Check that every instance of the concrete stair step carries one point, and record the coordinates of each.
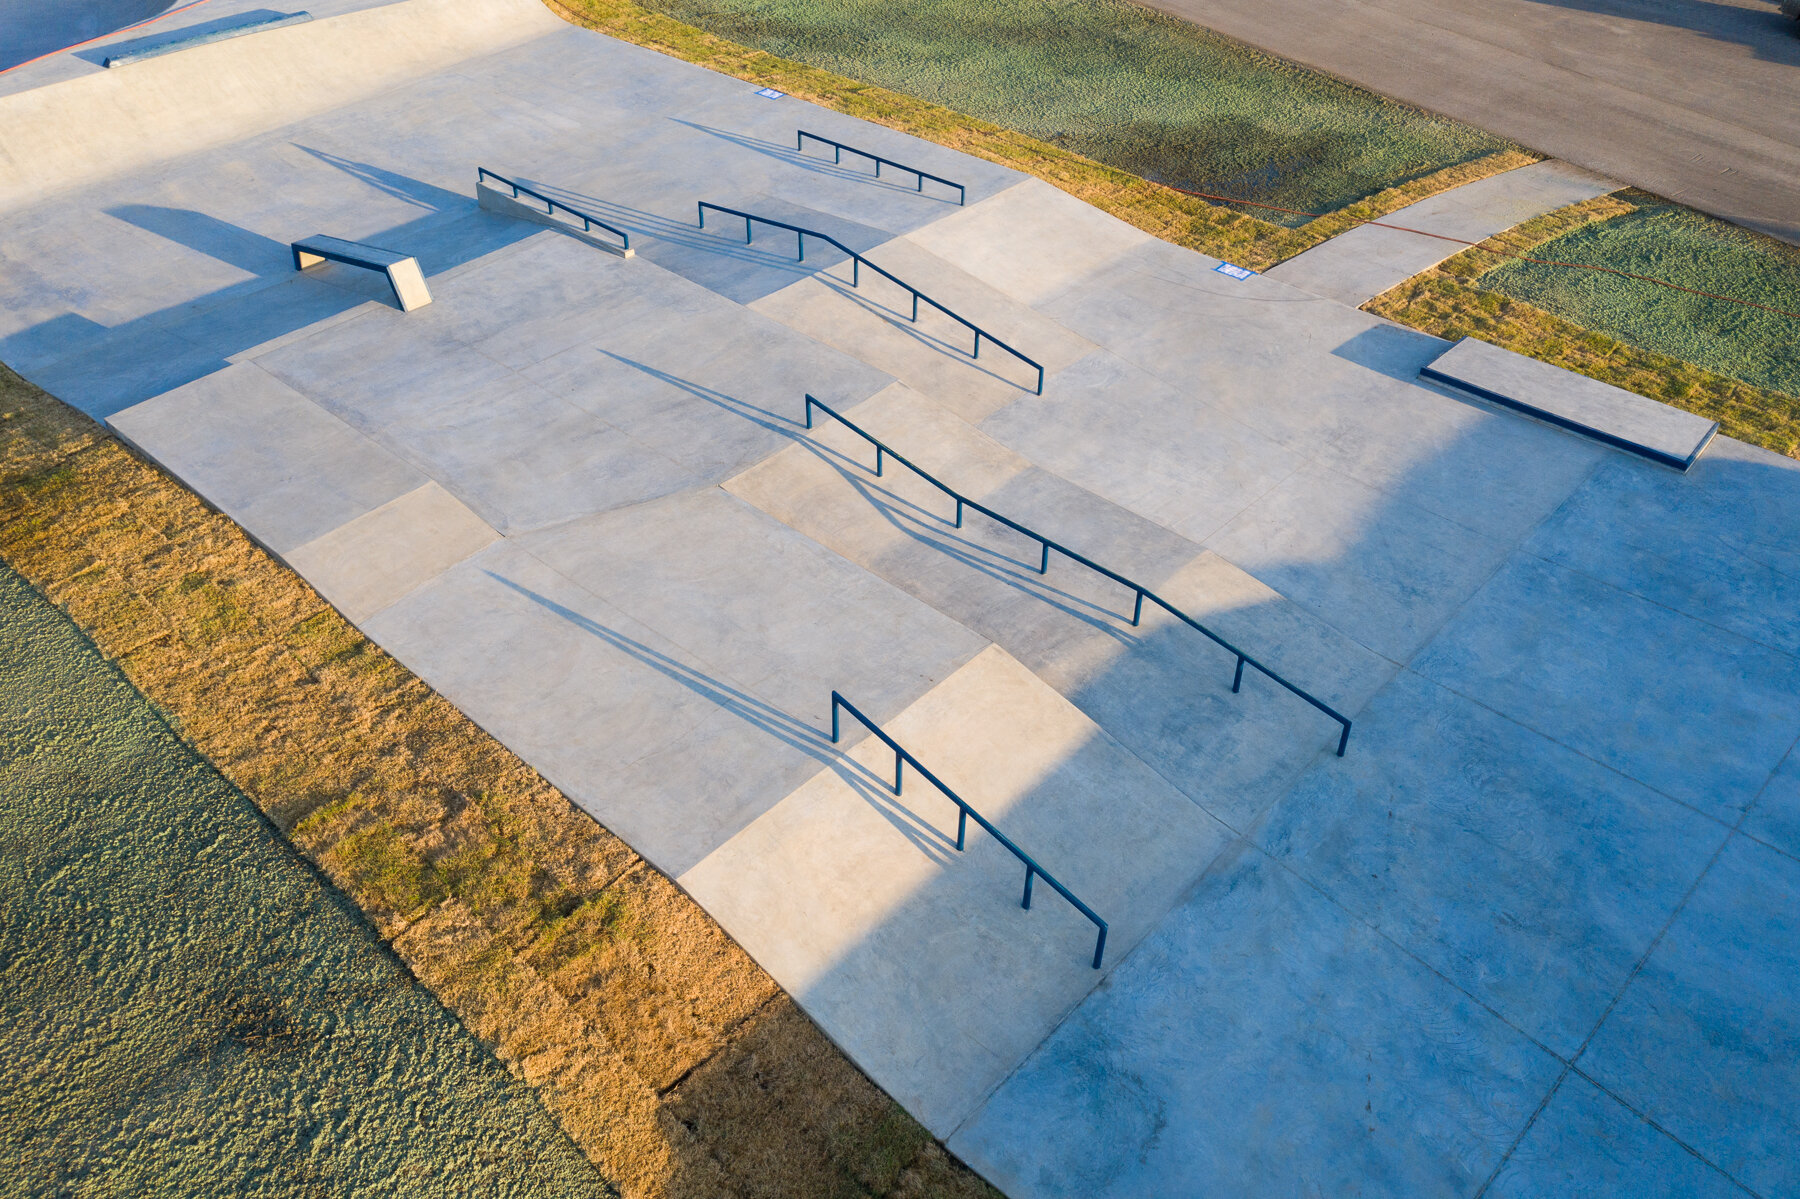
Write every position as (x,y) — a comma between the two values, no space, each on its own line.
(1161,688)
(917,959)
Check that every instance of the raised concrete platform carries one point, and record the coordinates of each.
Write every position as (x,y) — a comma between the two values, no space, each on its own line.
(1355,267)
(1574,402)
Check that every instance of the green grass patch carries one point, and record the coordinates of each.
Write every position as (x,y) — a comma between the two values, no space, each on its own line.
(1668,242)
(1134,89)
(188,1009)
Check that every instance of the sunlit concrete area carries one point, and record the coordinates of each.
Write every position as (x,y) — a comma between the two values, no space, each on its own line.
(1533,934)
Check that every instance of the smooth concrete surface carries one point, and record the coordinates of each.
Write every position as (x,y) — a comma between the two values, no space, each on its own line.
(1608,414)
(918,959)
(366,564)
(1679,97)
(1356,266)
(577,496)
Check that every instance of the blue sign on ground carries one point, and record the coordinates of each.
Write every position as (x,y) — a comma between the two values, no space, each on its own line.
(769,93)
(1236,272)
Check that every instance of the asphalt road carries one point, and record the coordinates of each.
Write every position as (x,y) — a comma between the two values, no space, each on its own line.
(1696,100)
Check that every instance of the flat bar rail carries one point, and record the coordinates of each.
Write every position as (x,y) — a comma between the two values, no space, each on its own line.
(882,451)
(838,148)
(858,263)
(587,222)
(1032,869)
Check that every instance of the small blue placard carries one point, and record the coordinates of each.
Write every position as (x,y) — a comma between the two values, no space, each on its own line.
(769,93)
(1236,272)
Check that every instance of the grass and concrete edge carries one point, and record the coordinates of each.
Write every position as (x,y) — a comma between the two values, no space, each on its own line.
(667,1055)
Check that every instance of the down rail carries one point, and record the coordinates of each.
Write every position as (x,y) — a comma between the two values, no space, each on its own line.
(1142,592)
(858,262)
(1032,869)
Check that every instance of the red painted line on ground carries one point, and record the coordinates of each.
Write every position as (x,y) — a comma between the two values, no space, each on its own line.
(115,33)
(1578,266)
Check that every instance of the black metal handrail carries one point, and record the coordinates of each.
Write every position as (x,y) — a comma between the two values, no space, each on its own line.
(1032,869)
(1143,593)
(858,262)
(838,148)
(587,222)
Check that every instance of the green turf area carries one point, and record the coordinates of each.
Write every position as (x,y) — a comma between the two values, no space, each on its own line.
(1135,89)
(1666,241)
(186,1008)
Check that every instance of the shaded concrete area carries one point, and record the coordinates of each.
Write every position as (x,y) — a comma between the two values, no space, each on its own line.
(32,28)
(1493,944)
(1355,267)
(1673,96)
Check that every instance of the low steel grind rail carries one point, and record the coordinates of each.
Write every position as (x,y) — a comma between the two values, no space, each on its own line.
(1032,869)
(884,451)
(838,150)
(858,262)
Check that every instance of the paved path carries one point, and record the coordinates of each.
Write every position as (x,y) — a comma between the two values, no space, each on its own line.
(1359,265)
(1556,870)
(1680,97)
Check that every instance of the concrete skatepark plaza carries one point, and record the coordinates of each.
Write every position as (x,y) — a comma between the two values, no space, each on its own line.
(1533,934)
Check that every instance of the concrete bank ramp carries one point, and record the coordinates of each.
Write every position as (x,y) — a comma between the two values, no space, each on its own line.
(113,122)
(918,960)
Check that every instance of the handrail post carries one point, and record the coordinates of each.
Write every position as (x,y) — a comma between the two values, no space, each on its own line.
(746,230)
(802,240)
(1344,739)
(835,699)
(899,762)
(959,514)
(1029,872)
(915,314)
(1137,609)
(1099,946)
(962,826)
(878,462)
(1237,680)
(1044,563)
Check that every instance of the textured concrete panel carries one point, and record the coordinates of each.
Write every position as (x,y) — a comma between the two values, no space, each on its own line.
(1261,1042)
(1587,1143)
(1706,1039)
(1469,841)
(917,959)
(368,563)
(270,458)
(1606,674)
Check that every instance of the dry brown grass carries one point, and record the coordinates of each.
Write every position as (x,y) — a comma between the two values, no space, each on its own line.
(1162,211)
(677,1065)
(1445,301)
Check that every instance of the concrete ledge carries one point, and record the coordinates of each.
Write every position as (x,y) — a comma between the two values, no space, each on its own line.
(1575,402)
(402,270)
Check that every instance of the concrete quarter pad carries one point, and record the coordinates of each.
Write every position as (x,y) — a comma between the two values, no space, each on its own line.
(1030,241)
(1261,1042)
(1706,1039)
(368,563)
(648,737)
(768,608)
(1586,1143)
(268,457)
(917,959)
(1575,402)
(1775,817)
(1528,875)
(1356,266)
(1720,544)
(1601,671)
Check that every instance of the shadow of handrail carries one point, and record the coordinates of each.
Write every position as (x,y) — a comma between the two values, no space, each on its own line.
(1142,593)
(964,811)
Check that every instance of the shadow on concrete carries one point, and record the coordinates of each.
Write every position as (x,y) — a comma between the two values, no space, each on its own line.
(1768,33)
(765,718)
(33,28)
(392,183)
(812,162)
(99,54)
(234,244)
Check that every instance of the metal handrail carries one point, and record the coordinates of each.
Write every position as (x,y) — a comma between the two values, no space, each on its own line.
(1032,869)
(587,222)
(1143,593)
(838,148)
(858,262)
